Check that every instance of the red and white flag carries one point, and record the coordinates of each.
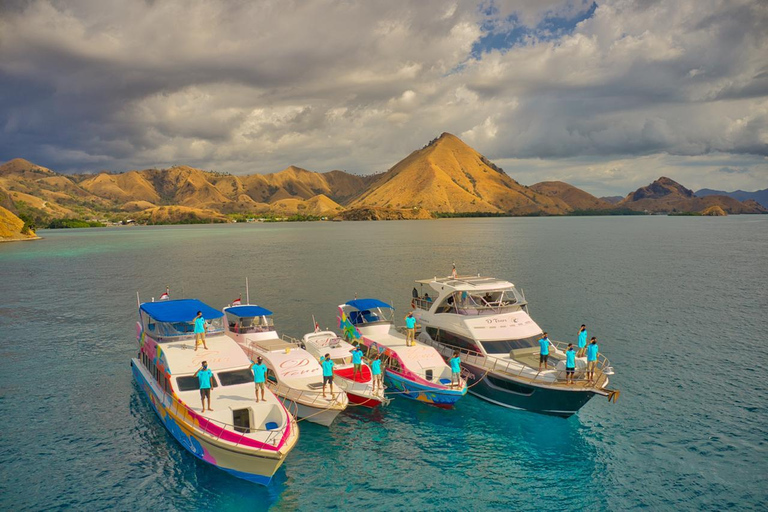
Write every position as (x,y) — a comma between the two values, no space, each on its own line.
(237,301)
(166,295)
(317,325)
(453,272)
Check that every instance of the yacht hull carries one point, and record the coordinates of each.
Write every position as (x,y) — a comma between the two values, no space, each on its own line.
(439,397)
(246,466)
(495,388)
(317,415)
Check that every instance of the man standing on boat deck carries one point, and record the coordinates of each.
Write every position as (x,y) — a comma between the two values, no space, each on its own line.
(544,352)
(376,372)
(204,377)
(410,324)
(570,363)
(357,360)
(327,365)
(455,363)
(259,377)
(582,341)
(200,330)
(592,351)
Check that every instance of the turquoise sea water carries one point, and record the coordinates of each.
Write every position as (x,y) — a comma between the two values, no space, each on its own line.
(679,305)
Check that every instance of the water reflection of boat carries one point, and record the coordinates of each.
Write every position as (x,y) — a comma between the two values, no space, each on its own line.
(487,321)
(246,439)
(359,387)
(417,371)
(293,373)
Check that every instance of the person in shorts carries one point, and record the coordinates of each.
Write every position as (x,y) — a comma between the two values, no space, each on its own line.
(259,377)
(327,365)
(376,372)
(455,363)
(200,330)
(410,333)
(204,378)
(570,364)
(592,351)
(357,361)
(544,351)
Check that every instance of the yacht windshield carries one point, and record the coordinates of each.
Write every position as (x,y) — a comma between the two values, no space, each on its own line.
(506,346)
(489,302)
(160,330)
(369,316)
(246,324)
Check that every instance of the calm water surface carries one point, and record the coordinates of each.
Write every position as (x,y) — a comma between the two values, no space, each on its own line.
(679,306)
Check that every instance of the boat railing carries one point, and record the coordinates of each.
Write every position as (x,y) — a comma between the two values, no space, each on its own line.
(517,368)
(487,308)
(180,409)
(308,398)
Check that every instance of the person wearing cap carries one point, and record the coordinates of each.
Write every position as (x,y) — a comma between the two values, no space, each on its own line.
(259,377)
(570,364)
(200,330)
(327,365)
(455,363)
(410,324)
(204,378)
(376,372)
(544,351)
(592,351)
(357,360)
(582,341)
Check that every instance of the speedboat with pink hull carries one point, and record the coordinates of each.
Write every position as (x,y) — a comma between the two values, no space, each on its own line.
(245,438)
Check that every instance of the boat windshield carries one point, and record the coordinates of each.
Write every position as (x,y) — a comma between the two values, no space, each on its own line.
(246,324)
(506,346)
(489,302)
(159,330)
(371,316)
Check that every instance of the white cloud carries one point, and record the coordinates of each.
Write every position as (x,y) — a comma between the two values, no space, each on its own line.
(256,86)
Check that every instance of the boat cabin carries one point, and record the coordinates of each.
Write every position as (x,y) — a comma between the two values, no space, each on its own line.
(249,319)
(365,312)
(468,296)
(174,320)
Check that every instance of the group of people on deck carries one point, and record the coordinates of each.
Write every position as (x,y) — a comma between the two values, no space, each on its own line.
(590,350)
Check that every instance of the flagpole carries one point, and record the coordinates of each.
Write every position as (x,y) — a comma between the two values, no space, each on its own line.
(247,292)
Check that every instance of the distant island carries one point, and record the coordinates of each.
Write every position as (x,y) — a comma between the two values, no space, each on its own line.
(446,178)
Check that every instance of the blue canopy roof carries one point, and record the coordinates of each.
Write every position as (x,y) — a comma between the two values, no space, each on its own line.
(363,304)
(184,310)
(244,311)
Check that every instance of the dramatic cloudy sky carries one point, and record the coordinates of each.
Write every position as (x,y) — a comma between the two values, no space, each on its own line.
(607,96)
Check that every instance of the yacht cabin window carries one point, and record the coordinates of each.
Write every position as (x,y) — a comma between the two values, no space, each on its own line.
(246,324)
(160,330)
(192,383)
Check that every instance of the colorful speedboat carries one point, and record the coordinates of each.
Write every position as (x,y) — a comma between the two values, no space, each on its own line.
(417,372)
(486,320)
(247,439)
(293,374)
(358,386)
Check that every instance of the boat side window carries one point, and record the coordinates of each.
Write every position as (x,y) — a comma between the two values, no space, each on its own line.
(448,305)
(234,377)
(454,340)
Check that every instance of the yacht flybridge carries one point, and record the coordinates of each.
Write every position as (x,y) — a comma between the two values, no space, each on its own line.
(293,373)
(247,439)
(486,320)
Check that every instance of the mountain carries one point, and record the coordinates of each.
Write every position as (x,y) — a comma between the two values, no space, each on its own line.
(572,198)
(667,196)
(13,228)
(612,199)
(449,176)
(761,196)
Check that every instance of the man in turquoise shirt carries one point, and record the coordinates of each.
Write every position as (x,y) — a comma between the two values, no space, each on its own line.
(582,341)
(592,351)
(204,378)
(327,365)
(544,352)
(570,364)
(376,372)
(455,363)
(357,361)
(410,324)
(259,377)
(200,330)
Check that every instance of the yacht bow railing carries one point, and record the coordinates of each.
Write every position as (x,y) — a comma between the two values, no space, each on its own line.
(517,368)
(180,409)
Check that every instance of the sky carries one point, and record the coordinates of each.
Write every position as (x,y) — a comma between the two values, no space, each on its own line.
(607,96)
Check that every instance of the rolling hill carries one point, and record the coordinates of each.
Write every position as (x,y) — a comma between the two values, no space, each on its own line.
(760,196)
(572,198)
